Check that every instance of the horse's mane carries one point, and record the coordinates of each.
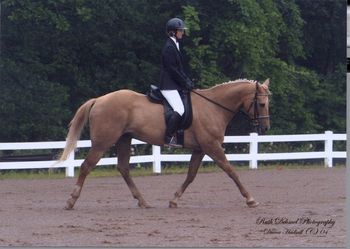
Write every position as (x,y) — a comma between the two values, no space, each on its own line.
(235,82)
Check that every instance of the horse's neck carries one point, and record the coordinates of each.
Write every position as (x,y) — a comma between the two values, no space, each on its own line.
(230,95)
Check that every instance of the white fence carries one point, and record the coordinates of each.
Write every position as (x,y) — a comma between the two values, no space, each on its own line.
(253,156)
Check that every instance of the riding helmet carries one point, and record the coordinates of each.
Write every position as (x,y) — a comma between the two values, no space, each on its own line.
(174,24)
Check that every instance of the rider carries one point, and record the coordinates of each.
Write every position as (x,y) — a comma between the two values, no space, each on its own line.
(173,77)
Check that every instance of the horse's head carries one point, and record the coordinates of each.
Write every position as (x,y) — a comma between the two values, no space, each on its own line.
(257,108)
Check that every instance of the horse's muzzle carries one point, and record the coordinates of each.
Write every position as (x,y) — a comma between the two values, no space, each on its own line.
(262,130)
(261,127)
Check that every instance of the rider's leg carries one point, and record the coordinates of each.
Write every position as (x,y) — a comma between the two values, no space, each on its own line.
(173,98)
(171,128)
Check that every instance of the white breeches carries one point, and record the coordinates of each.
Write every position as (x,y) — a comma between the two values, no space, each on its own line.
(174,99)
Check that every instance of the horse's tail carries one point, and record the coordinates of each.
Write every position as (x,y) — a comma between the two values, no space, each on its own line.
(75,127)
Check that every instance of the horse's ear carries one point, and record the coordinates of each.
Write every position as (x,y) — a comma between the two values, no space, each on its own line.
(267,82)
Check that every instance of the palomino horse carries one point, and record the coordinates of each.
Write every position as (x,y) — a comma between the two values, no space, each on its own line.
(117,117)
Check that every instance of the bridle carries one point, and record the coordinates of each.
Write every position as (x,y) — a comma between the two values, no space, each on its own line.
(256,116)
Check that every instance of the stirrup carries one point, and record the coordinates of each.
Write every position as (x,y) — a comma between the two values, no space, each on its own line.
(173,143)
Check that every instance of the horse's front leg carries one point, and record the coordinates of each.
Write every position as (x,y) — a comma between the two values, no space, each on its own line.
(196,159)
(123,153)
(216,152)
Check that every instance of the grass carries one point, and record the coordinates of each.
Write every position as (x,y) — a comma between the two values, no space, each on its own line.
(138,171)
(106,171)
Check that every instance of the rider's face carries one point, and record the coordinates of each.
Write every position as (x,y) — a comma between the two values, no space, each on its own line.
(180,33)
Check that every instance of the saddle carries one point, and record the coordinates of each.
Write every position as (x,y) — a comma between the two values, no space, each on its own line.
(155,96)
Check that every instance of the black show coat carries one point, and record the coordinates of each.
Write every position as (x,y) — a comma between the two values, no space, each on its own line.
(172,76)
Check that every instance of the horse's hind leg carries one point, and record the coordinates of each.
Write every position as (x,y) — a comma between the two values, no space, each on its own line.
(123,153)
(196,159)
(89,163)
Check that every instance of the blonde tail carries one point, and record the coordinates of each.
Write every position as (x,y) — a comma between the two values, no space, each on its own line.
(75,127)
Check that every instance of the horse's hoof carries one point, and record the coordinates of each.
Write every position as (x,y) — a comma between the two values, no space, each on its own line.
(69,205)
(172,204)
(252,203)
(144,205)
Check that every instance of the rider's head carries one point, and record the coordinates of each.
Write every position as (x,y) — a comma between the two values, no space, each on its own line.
(175,27)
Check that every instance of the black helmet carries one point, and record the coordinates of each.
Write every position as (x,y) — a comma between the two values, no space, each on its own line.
(174,24)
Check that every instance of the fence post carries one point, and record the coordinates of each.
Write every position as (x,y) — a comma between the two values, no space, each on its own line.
(70,165)
(253,151)
(328,149)
(156,159)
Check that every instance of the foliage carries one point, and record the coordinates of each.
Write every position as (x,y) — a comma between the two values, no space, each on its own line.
(56,54)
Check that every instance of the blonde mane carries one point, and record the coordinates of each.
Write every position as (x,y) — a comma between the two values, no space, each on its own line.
(235,82)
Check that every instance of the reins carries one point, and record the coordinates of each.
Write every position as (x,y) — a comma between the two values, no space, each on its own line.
(255,120)
(214,102)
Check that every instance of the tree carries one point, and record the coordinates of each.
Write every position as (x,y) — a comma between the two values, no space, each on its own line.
(324,44)
(256,40)
(32,104)
(56,54)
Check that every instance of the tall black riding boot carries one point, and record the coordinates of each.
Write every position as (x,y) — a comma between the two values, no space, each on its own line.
(172,127)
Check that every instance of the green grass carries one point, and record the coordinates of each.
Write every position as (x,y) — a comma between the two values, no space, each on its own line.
(141,171)
(98,172)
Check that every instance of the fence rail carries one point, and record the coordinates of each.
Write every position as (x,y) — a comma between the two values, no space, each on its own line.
(253,156)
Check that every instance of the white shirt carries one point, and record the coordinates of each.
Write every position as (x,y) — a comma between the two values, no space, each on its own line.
(177,44)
